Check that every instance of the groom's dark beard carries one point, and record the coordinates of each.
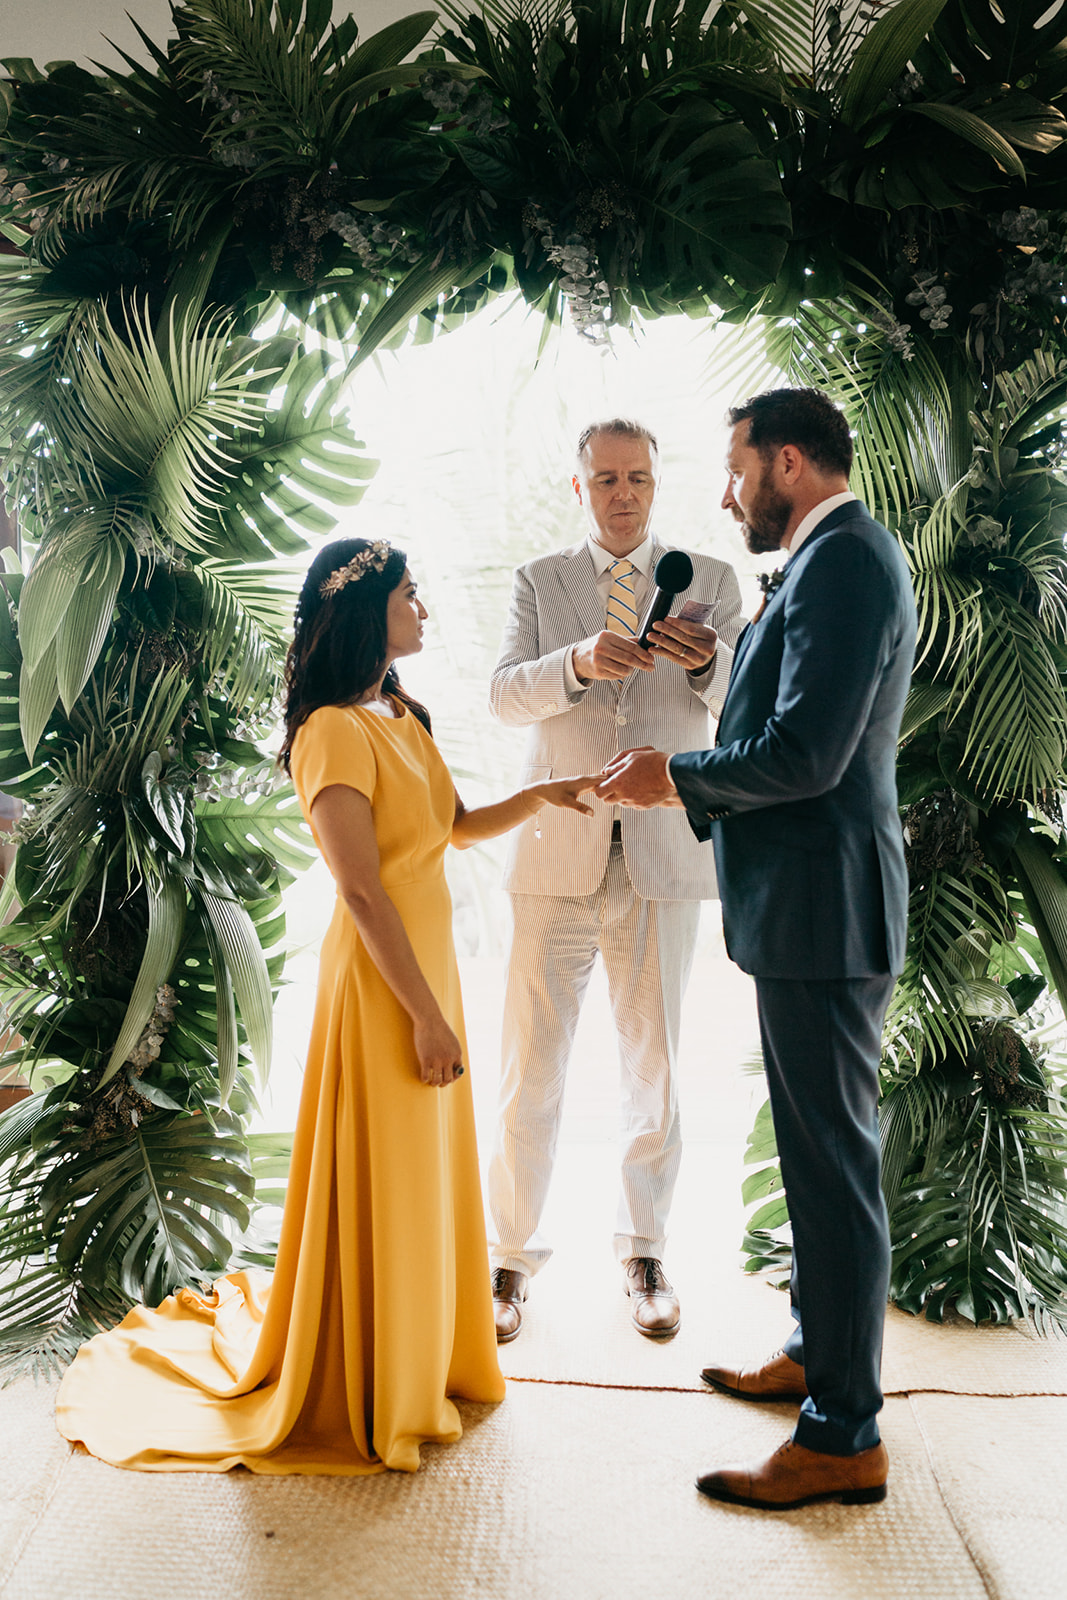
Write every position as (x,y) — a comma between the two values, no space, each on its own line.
(767,520)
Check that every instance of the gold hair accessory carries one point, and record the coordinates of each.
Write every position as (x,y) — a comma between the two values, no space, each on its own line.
(372,559)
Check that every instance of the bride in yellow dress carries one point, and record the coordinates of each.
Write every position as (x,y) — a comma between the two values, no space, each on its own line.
(379,1308)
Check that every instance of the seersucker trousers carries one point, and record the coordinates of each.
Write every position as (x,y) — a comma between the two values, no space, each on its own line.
(647,950)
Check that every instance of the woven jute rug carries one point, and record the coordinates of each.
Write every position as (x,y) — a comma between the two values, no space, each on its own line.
(560,1493)
(579,1486)
(577,1326)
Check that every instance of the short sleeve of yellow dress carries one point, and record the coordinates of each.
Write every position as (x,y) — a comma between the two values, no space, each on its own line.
(379,1309)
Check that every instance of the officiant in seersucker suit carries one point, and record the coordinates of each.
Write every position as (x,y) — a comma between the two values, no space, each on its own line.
(572,673)
(800,798)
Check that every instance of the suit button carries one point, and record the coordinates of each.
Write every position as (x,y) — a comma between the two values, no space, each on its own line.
(620,722)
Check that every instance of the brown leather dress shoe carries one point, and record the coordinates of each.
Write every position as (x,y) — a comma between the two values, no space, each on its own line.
(779,1378)
(509,1292)
(654,1308)
(795,1476)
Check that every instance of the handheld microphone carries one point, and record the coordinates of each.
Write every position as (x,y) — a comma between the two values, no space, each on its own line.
(674,572)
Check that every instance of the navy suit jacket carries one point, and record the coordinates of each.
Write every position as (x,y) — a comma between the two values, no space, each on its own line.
(800,793)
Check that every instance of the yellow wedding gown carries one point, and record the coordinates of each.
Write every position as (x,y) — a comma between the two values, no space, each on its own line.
(379,1307)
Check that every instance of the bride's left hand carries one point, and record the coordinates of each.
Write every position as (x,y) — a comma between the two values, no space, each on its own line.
(564,792)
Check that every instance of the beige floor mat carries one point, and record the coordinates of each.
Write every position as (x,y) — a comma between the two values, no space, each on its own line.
(1000,1468)
(32,1459)
(558,1494)
(577,1326)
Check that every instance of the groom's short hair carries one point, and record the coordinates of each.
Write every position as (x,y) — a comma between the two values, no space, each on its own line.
(806,418)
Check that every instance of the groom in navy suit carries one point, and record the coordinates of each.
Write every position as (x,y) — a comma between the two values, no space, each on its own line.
(799,796)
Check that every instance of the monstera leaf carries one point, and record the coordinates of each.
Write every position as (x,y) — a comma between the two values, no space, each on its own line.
(711,205)
(149,1212)
(288,474)
(983,1234)
(243,839)
(90,1228)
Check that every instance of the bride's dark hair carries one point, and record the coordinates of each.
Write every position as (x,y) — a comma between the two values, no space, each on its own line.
(340,639)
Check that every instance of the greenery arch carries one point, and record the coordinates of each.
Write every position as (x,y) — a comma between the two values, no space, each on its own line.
(874,191)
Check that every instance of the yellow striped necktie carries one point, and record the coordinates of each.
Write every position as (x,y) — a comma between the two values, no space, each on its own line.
(622,612)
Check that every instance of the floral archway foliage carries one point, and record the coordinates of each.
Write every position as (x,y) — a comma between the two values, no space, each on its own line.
(874,193)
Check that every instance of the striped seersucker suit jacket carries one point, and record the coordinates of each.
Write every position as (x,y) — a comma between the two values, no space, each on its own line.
(555,602)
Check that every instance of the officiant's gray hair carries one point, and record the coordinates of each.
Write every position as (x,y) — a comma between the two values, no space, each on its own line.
(619,428)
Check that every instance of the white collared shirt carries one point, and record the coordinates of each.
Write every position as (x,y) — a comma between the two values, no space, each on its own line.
(808,524)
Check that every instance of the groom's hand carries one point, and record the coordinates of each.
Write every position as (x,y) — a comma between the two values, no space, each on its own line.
(638,778)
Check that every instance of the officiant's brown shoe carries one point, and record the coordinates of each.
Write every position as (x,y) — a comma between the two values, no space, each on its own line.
(779,1378)
(509,1293)
(654,1308)
(795,1476)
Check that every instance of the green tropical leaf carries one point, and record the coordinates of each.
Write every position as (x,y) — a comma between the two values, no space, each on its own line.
(226,1042)
(270,1154)
(246,964)
(164,416)
(166,916)
(87,621)
(48,592)
(149,1210)
(925,701)
(243,612)
(716,214)
(775,1214)
(884,55)
(985,1234)
(421,287)
(975,130)
(38,693)
(167,803)
(46,1316)
(292,471)
(389,46)
(1045,891)
(264,836)
(906,448)
(1017,716)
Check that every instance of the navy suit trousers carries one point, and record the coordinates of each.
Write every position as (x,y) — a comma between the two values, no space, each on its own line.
(821,1048)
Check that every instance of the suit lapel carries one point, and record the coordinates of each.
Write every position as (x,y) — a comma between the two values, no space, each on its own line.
(748,635)
(577,579)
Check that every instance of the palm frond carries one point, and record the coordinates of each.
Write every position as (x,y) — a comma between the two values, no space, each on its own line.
(986,1235)
(925,701)
(949,604)
(163,416)
(244,610)
(914,1119)
(952,924)
(811,40)
(295,91)
(1044,890)
(1016,735)
(898,406)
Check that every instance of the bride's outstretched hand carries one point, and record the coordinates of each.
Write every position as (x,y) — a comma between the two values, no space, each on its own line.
(564,792)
